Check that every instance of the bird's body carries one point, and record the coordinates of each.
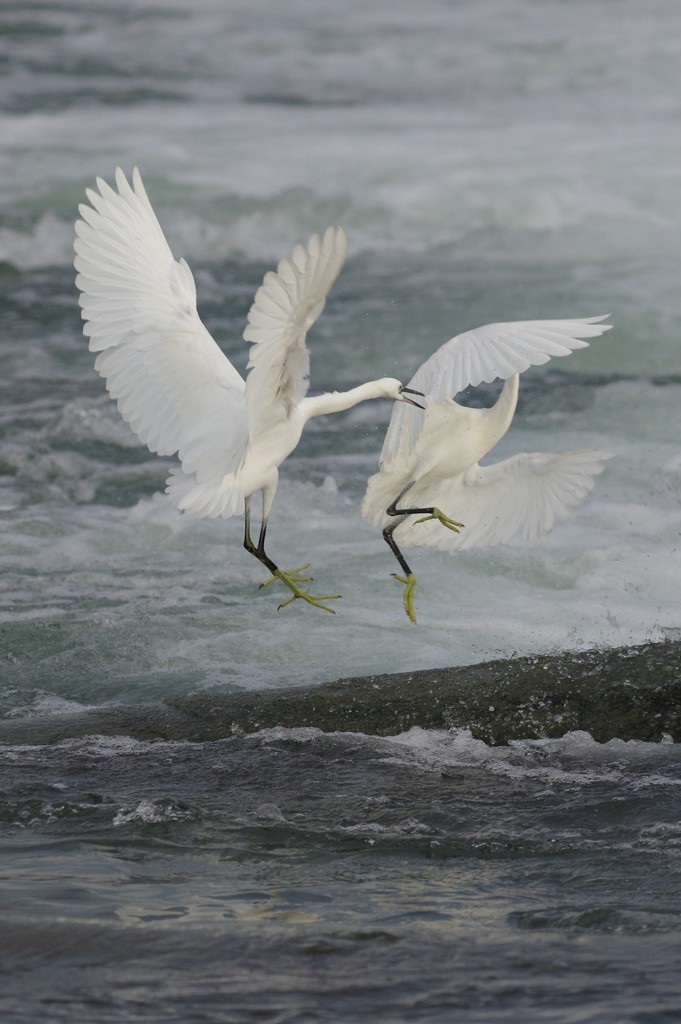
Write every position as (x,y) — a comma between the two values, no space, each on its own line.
(430,458)
(264,454)
(174,386)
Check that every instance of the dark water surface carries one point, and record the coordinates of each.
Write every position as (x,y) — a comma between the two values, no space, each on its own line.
(297,875)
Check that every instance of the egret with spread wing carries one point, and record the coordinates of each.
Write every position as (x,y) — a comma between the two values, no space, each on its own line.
(177,390)
(430,457)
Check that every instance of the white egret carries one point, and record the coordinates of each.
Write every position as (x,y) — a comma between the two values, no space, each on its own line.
(177,390)
(430,457)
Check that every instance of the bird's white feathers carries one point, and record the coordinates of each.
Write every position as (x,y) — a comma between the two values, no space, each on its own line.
(437,450)
(173,385)
(285,306)
(481,356)
(225,498)
(521,497)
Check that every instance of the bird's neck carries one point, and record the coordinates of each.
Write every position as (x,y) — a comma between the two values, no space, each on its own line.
(338,401)
(500,416)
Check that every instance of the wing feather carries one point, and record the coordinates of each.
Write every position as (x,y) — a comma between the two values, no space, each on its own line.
(173,385)
(481,356)
(285,306)
(523,496)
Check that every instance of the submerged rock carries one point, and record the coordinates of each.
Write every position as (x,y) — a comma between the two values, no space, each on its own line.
(627,692)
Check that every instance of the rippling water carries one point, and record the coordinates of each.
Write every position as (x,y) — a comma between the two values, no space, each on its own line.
(489,161)
(294,875)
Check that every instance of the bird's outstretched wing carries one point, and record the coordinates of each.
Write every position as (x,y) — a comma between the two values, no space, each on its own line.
(173,385)
(523,496)
(483,355)
(285,306)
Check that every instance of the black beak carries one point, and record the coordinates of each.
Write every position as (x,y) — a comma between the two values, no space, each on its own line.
(410,391)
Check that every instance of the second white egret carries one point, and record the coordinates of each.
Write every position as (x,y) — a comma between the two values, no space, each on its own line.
(430,457)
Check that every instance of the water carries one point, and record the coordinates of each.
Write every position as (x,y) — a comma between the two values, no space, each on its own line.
(300,876)
(489,161)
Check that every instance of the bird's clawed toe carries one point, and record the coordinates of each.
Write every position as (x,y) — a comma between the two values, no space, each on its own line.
(438,514)
(293,575)
(292,579)
(408,594)
(314,599)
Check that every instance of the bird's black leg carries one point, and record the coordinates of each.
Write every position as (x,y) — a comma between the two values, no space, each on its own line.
(388,538)
(428,513)
(291,579)
(408,579)
(258,551)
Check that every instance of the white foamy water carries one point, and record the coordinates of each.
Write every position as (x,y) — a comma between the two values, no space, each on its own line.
(489,161)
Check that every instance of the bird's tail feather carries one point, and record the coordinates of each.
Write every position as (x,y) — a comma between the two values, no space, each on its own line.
(203,500)
(382,489)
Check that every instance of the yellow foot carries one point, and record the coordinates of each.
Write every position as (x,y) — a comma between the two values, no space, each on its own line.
(292,574)
(291,579)
(408,595)
(438,514)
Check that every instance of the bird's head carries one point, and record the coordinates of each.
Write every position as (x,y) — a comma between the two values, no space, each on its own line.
(404,393)
(389,387)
